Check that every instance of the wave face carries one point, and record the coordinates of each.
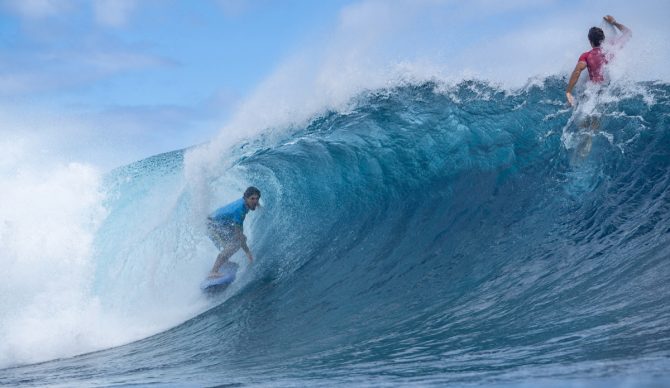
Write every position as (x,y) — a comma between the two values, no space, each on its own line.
(430,235)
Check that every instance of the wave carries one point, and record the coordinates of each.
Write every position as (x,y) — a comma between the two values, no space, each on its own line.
(428,234)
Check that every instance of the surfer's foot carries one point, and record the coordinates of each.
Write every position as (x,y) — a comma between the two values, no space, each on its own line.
(214,275)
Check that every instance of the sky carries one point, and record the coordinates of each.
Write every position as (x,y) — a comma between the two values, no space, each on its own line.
(135,78)
(108,82)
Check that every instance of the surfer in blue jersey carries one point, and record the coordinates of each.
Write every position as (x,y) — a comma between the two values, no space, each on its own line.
(225,228)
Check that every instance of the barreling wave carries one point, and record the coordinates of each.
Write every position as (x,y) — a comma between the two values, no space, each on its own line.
(428,235)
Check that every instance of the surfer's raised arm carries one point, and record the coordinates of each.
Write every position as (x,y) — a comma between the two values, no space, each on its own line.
(624,30)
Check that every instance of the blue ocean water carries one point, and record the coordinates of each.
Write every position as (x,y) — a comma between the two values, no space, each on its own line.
(429,235)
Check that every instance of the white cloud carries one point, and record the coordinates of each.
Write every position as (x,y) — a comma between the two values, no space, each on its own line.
(61,70)
(20,82)
(494,6)
(38,9)
(114,13)
(115,61)
(106,13)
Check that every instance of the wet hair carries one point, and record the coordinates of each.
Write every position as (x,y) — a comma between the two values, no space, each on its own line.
(596,36)
(251,191)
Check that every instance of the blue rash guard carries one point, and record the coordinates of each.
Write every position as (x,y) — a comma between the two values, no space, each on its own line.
(233,213)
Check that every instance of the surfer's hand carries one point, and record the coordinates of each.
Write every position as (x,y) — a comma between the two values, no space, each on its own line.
(251,257)
(571,99)
(609,19)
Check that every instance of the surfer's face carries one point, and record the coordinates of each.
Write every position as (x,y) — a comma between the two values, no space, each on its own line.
(252,201)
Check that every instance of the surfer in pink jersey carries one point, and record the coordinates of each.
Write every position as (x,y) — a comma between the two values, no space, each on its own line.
(596,59)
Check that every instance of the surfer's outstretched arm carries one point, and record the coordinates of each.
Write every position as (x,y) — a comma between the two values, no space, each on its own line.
(573,81)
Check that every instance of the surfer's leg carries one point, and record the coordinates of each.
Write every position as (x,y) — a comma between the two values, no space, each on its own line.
(215,232)
(590,125)
(222,258)
(584,148)
(229,244)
